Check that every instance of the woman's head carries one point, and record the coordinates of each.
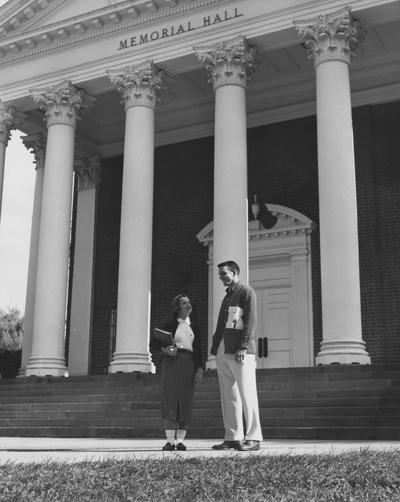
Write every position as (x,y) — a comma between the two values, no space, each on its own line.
(181,306)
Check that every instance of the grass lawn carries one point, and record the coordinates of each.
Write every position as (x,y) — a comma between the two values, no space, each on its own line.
(362,476)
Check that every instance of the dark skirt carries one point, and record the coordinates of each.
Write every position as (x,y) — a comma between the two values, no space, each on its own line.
(177,387)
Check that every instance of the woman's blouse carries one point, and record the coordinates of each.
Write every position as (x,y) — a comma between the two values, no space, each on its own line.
(184,335)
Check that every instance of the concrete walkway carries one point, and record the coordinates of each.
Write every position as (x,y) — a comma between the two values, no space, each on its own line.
(78,450)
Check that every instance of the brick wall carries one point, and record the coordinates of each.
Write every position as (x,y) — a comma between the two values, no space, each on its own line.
(377,147)
(106,261)
(282,170)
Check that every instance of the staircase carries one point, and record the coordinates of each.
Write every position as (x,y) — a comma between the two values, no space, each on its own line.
(330,402)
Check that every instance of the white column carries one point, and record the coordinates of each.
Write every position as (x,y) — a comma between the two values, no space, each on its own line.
(7,122)
(61,104)
(36,142)
(229,65)
(330,40)
(87,177)
(139,86)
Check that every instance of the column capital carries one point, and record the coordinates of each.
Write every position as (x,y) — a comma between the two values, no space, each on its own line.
(8,116)
(62,102)
(139,85)
(87,172)
(36,143)
(231,62)
(330,37)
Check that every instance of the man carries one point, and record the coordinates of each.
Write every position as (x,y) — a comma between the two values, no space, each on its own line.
(234,346)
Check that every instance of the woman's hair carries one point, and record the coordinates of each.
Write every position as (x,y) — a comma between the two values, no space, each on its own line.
(175,304)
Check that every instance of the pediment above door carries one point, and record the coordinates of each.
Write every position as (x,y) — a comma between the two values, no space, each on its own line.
(288,222)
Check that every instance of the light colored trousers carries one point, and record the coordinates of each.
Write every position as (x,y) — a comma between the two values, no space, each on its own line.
(238,389)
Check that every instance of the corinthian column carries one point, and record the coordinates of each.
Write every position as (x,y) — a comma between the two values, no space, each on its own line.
(87,178)
(61,104)
(229,65)
(37,143)
(330,41)
(7,122)
(139,86)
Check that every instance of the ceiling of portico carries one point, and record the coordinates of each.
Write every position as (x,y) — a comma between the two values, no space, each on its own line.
(283,87)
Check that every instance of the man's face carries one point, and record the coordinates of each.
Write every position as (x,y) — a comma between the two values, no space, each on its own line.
(227,276)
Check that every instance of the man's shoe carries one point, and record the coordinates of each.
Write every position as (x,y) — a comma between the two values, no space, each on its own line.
(168,447)
(249,445)
(228,445)
(181,447)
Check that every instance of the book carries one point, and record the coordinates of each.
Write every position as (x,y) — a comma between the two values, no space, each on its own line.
(164,338)
(235,320)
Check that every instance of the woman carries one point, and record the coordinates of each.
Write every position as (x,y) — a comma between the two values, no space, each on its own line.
(179,373)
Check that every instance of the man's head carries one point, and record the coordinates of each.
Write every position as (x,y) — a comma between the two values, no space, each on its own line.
(228,272)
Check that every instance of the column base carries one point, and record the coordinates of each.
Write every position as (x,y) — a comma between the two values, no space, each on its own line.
(46,366)
(127,362)
(342,352)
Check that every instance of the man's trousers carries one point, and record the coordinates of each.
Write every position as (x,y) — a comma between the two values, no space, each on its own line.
(238,389)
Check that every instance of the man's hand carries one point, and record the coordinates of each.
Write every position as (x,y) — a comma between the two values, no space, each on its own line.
(198,376)
(239,356)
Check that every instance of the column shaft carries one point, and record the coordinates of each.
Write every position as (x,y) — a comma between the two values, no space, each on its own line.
(139,86)
(230,185)
(61,104)
(87,174)
(53,254)
(330,40)
(338,204)
(230,178)
(134,280)
(32,270)
(229,65)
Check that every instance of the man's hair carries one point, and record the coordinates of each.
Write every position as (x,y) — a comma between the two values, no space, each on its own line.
(232,265)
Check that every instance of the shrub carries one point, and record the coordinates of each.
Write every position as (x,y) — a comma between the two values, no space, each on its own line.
(11,330)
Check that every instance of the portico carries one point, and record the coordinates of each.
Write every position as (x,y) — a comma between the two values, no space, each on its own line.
(158,56)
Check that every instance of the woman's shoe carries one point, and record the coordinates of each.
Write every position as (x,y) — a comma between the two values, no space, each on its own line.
(169,447)
(181,447)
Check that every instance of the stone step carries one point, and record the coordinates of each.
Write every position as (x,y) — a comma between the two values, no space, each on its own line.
(304,393)
(322,433)
(310,403)
(332,372)
(155,412)
(200,422)
(112,402)
(206,387)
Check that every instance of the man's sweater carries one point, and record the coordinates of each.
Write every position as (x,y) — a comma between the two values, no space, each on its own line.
(239,335)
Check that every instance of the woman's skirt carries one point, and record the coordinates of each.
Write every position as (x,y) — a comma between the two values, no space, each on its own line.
(177,387)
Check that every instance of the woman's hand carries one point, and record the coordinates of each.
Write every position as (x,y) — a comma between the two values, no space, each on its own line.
(198,376)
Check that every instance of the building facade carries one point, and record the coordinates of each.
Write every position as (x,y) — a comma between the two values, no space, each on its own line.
(171,135)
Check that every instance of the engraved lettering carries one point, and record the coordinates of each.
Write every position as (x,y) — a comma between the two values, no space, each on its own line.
(166,32)
(123,44)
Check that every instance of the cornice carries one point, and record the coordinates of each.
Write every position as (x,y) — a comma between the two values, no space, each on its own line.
(86,27)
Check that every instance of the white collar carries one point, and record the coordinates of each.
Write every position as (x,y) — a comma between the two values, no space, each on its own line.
(187,320)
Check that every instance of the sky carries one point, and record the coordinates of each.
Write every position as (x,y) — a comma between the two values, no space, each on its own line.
(15,224)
